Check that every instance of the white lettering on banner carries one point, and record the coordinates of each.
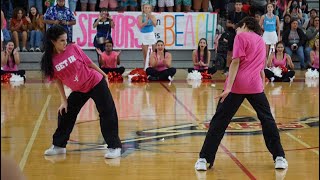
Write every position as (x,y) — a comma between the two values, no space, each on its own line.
(177,30)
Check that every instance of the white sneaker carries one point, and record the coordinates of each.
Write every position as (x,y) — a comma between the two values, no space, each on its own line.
(170,78)
(272,79)
(201,164)
(54,150)
(112,153)
(281,163)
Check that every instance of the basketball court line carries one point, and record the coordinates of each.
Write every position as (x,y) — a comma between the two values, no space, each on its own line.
(226,150)
(34,134)
(288,134)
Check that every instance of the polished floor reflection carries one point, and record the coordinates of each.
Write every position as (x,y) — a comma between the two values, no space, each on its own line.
(162,128)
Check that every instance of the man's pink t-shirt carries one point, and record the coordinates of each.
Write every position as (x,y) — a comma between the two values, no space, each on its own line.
(71,67)
(249,47)
(110,61)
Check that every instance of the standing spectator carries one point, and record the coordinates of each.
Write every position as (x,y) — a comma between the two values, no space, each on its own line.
(186,5)
(109,4)
(257,16)
(92,5)
(59,14)
(124,4)
(10,60)
(294,39)
(165,3)
(36,3)
(19,26)
(153,3)
(109,59)
(280,59)
(309,22)
(36,30)
(270,23)
(147,22)
(160,64)
(201,4)
(104,24)
(312,34)
(314,55)
(233,19)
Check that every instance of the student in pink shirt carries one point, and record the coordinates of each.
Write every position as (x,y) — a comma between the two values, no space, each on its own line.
(10,59)
(69,65)
(109,59)
(279,58)
(201,58)
(245,81)
(314,55)
(160,64)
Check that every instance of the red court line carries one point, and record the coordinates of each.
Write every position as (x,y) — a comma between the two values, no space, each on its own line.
(237,161)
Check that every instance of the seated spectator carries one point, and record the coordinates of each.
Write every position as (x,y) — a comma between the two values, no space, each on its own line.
(36,29)
(286,25)
(279,59)
(108,4)
(19,26)
(219,6)
(312,34)
(309,22)
(124,4)
(109,59)
(165,3)
(104,24)
(10,59)
(73,5)
(201,4)
(294,39)
(314,55)
(201,58)
(281,6)
(60,14)
(296,13)
(303,6)
(160,64)
(36,3)
(92,5)
(257,16)
(153,3)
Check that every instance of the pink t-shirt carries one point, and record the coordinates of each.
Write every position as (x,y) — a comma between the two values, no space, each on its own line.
(11,67)
(277,62)
(110,61)
(201,59)
(71,67)
(316,60)
(160,65)
(250,48)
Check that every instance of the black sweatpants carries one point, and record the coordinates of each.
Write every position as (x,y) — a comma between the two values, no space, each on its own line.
(162,75)
(211,70)
(224,113)
(285,77)
(107,111)
(119,70)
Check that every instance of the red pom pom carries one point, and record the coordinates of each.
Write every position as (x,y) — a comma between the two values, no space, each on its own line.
(205,75)
(284,69)
(115,77)
(142,75)
(6,77)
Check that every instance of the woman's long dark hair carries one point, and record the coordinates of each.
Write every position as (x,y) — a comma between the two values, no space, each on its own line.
(52,34)
(205,53)
(33,16)
(164,50)
(11,55)
(251,24)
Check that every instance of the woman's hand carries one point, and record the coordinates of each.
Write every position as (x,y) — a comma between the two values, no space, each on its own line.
(63,106)
(15,51)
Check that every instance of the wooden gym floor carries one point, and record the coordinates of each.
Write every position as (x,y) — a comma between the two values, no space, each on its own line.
(162,127)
